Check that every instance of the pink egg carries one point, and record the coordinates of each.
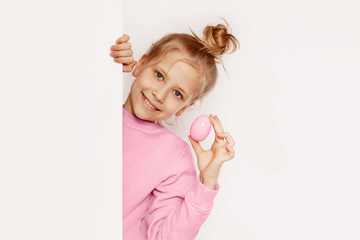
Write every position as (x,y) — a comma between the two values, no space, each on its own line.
(200,128)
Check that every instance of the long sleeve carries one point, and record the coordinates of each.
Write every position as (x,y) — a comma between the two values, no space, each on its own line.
(162,195)
(180,204)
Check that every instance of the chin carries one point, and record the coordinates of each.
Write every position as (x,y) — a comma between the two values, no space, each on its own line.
(143,115)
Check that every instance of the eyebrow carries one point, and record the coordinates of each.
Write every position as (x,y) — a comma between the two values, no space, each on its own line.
(165,74)
(162,71)
(183,92)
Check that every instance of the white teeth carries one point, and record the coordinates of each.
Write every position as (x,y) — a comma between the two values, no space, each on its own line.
(149,104)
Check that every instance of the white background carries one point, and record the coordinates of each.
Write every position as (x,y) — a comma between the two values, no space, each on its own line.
(291,102)
(60,120)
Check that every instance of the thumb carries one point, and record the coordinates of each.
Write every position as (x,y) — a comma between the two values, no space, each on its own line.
(129,67)
(133,64)
(196,146)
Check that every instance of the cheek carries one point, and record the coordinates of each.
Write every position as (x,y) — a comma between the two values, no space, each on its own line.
(139,84)
(147,82)
(175,105)
(134,87)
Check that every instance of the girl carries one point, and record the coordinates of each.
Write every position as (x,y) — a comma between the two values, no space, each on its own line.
(163,198)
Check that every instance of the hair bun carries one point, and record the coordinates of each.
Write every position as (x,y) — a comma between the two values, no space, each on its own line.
(217,40)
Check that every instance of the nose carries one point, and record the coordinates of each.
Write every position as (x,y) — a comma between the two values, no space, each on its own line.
(160,94)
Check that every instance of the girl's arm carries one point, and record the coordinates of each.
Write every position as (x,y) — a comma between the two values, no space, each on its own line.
(210,161)
(180,204)
(122,53)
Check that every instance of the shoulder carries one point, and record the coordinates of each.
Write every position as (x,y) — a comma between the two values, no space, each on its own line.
(178,145)
(180,150)
(173,137)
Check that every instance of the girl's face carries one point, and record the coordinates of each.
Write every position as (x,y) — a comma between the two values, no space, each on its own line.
(163,89)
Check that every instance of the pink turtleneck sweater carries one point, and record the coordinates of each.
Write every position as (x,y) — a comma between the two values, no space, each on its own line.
(162,195)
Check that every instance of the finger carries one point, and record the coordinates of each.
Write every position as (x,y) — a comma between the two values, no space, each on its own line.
(229,139)
(219,122)
(231,151)
(125,60)
(123,38)
(121,46)
(217,129)
(124,53)
(196,146)
(129,67)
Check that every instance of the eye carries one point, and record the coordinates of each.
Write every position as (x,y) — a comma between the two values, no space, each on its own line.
(177,94)
(159,75)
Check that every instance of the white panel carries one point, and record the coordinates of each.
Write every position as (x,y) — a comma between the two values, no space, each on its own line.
(60,120)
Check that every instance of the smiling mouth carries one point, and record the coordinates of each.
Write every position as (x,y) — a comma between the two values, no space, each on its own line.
(148,104)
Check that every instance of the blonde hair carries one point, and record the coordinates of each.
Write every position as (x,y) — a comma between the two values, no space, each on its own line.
(204,53)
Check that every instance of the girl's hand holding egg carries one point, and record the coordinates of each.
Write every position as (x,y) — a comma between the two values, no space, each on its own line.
(210,161)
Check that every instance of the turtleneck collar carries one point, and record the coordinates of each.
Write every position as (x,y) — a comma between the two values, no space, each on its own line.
(138,123)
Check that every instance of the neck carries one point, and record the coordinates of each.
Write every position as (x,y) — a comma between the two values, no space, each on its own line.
(127,106)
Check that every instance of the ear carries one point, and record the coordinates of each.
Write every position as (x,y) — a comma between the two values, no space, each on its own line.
(183,109)
(138,67)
